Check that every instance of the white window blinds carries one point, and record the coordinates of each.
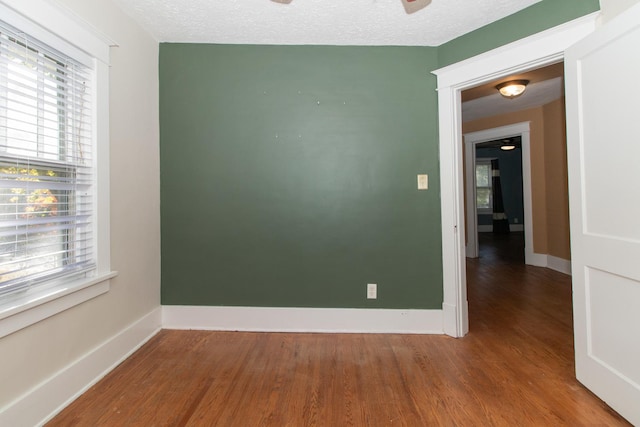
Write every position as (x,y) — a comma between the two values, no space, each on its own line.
(46,164)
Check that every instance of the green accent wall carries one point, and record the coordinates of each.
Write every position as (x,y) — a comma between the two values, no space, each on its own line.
(288,176)
(534,19)
(288,173)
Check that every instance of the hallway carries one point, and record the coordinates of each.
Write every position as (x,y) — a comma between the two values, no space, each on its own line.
(511,299)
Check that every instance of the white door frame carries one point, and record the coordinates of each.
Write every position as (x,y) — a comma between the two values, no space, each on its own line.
(532,52)
(470,141)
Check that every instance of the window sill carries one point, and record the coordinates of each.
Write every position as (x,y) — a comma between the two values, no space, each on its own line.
(24,310)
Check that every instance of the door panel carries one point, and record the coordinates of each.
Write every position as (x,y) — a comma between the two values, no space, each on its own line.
(603,212)
(612,301)
(603,155)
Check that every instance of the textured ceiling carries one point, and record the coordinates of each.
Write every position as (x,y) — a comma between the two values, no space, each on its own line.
(318,22)
(546,85)
(534,76)
(537,94)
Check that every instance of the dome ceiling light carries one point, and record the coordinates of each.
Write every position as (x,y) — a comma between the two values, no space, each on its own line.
(512,88)
(507,145)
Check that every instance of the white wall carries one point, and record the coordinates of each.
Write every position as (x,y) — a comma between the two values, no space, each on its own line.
(36,353)
(612,8)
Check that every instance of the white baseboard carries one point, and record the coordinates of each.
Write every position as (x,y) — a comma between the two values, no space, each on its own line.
(549,261)
(559,264)
(537,260)
(44,401)
(453,326)
(286,319)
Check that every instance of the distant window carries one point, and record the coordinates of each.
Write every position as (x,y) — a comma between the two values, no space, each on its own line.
(484,193)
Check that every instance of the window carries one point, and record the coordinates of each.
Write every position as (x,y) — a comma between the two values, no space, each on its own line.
(484,199)
(46,167)
(54,162)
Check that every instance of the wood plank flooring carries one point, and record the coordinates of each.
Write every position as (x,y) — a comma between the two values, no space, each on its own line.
(515,368)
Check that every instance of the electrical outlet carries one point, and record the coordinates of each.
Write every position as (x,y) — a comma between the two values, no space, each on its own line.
(372,291)
(515,220)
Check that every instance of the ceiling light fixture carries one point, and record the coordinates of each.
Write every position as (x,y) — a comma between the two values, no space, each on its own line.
(513,88)
(507,145)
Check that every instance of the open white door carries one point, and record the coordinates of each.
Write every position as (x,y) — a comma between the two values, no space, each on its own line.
(603,147)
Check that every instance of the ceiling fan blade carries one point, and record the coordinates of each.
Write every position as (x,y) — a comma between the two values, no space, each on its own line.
(412,6)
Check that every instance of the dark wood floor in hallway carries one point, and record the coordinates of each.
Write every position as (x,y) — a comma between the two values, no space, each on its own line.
(515,368)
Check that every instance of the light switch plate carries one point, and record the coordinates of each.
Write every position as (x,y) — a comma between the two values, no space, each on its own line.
(423,182)
(372,291)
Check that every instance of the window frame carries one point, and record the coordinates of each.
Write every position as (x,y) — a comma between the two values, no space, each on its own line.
(484,211)
(60,29)
(45,150)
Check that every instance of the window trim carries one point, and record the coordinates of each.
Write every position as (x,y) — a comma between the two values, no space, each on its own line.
(61,29)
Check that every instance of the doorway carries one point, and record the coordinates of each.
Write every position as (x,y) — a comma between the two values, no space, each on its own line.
(533,52)
(499,197)
(472,141)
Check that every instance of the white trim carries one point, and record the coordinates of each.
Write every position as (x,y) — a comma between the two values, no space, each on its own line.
(471,139)
(552,262)
(288,319)
(26,309)
(535,51)
(559,264)
(102,209)
(472,204)
(538,260)
(44,401)
(44,17)
(450,315)
(525,54)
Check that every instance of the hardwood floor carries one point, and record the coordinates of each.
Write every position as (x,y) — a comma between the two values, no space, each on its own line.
(514,368)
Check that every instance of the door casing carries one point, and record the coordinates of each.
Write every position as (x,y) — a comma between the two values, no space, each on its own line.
(470,141)
(536,51)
